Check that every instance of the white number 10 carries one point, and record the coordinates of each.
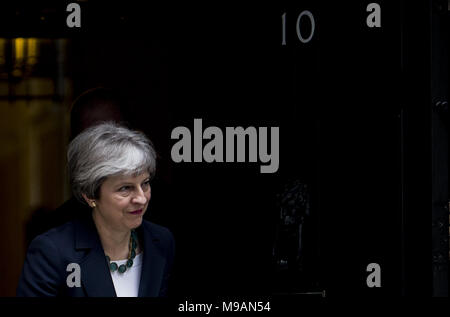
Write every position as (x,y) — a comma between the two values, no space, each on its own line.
(299,34)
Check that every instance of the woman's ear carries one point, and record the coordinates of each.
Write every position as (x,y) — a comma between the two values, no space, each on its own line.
(90,202)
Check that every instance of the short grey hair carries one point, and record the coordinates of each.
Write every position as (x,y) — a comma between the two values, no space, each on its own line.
(104,150)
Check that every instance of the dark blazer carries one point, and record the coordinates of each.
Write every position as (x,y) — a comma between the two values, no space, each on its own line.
(45,269)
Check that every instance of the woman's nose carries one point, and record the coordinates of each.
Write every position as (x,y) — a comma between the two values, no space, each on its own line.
(140,197)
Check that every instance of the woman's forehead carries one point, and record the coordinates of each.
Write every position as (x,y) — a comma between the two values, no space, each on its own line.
(129,178)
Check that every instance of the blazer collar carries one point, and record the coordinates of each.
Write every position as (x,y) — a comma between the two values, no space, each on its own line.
(95,274)
(153,264)
(86,236)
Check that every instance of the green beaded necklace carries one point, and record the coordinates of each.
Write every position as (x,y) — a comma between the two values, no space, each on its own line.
(131,255)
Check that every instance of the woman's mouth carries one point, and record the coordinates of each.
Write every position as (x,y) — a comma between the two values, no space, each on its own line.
(136,212)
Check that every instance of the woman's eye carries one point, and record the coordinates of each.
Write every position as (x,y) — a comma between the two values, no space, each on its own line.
(146,184)
(124,188)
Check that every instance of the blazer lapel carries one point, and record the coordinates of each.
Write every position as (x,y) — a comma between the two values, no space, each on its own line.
(152,265)
(95,276)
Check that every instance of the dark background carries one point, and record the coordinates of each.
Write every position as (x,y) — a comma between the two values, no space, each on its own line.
(355,107)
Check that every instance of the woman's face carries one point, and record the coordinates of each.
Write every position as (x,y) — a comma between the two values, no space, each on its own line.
(123,201)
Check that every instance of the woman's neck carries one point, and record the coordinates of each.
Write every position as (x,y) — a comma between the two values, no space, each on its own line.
(115,243)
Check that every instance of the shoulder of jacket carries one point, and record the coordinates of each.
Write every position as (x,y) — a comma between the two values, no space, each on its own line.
(55,235)
(157,231)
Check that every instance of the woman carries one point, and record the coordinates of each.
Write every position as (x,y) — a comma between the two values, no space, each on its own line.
(112,251)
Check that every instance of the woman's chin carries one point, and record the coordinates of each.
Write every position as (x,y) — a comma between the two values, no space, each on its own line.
(133,224)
